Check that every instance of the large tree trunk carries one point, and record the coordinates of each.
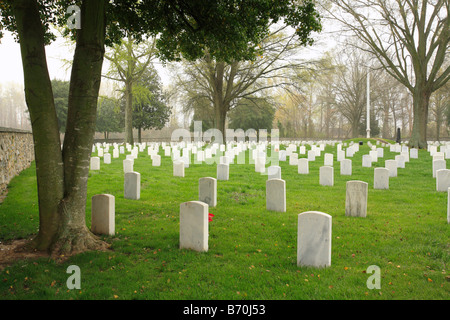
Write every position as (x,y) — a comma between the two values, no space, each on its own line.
(421,100)
(44,122)
(220,118)
(62,176)
(355,129)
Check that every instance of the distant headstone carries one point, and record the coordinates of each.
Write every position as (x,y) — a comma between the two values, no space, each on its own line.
(442,180)
(274,172)
(392,166)
(326,176)
(103,214)
(132,185)
(107,158)
(311,155)
(437,165)
(314,239)
(128,165)
(366,161)
(194,226)
(276,195)
(95,163)
(381,178)
(400,161)
(413,154)
(156,160)
(328,159)
(356,199)
(223,171)
(346,167)
(380,152)
(303,166)
(207,191)
(178,168)
(293,158)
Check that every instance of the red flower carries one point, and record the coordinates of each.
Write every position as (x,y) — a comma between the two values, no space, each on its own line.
(210,217)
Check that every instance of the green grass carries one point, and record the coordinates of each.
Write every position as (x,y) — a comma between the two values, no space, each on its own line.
(252,252)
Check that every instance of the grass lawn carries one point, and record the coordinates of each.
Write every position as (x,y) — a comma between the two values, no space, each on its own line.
(252,252)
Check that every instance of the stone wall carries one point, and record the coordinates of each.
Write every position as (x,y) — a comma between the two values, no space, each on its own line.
(16,154)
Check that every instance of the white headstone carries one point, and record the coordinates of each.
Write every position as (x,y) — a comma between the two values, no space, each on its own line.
(260,164)
(95,163)
(356,198)
(194,226)
(178,168)
(380,152)
(276,195)
(303,166)
(128,165)
(115,153)
(156,160)
(207,191)
(132,185)
(346,167)
(413,153)
(107,158)
(442,180)
(400,161)
(282,155)
(311,155)
(223,171)
(103,214)
(274,172)
(293,158)
(314,239)
(437,165)
(366,161)
(328,159)
(326,176)
(392,166)
(381,178)
(373,155)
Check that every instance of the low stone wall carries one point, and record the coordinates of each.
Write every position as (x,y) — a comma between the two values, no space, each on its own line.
(16,154)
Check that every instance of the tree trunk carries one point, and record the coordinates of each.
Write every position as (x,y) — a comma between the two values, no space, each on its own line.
(62,176)
(139,135)
(421,99)
(355,129)
(44,122)
(385,130)
(129,113)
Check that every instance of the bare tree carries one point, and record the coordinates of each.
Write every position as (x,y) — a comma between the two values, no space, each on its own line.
(410,38)
(223,84)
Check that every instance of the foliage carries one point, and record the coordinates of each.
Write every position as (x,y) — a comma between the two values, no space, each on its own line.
(109,118)
(61,97)
(252,113)
(149,108)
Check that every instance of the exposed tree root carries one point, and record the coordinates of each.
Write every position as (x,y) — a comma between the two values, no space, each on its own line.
(73,242)
(69,245)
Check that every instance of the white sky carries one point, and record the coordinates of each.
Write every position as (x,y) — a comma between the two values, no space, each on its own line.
(11,64)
